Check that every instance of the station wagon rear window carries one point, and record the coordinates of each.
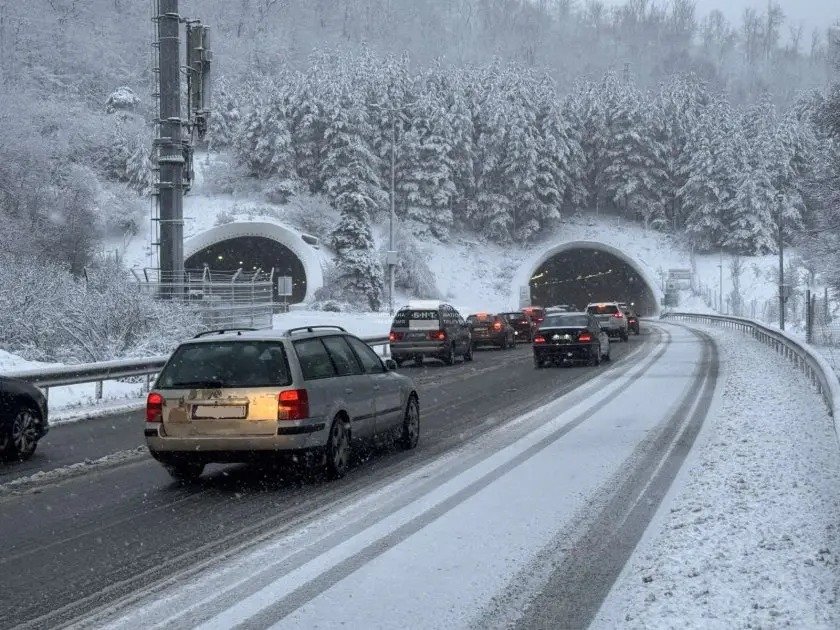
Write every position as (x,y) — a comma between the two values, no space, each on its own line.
(226,364)
(418,319)
(565,320)
(602,309)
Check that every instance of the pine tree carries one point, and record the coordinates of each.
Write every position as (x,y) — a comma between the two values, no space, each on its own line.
(351,180)
(428,178)
(225,117)
(701,197)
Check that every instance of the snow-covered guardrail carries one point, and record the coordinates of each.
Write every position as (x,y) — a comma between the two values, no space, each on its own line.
(98,373)
(817,369)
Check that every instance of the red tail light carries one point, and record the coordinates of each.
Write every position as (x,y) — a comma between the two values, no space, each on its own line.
(437,335)
(539,339)
(632,320)
(497,325)
(619,315)
(293,404)
(154,407)
(584,337)
(395,336)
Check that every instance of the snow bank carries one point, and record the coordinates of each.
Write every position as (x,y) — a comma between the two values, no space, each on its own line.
(748,536)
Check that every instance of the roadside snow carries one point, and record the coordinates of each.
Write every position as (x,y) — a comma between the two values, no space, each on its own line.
(749,536)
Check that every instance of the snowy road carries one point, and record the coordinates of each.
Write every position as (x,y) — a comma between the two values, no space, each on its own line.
(73,544)
(543,505)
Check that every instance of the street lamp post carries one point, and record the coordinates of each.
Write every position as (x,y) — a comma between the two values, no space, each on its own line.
(392,262)
(780,220)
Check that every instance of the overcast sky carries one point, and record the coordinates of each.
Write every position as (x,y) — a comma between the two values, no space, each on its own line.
(810,13)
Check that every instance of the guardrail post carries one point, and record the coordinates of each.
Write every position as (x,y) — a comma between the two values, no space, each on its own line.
(147,384)
(98,394)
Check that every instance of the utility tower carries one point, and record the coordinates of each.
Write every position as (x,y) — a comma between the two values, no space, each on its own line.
(173,147)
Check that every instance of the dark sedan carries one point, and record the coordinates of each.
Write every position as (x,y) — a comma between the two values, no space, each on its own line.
(491,330)
(523,325)
(23,418)
(570,338)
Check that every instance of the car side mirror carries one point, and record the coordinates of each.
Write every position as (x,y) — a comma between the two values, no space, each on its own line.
(390,364)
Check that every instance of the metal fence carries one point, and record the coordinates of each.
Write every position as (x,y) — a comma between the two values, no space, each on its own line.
(820,373)
(223,299)
(98,373)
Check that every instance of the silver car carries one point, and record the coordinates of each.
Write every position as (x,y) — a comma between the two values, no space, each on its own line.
(610,317)
(308,392)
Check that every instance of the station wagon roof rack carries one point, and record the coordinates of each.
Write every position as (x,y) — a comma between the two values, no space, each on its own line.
(313,329)
(222,331)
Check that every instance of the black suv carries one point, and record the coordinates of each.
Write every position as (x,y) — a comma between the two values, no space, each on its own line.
(436,331)
(523,326)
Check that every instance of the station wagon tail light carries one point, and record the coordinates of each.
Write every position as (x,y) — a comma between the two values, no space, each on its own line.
(395,336)
(539,339)
(154,407)
(619,315)
(584,337)
(293,404)
(437,335)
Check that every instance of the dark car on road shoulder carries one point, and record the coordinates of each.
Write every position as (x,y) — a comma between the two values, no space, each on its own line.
(570,338)
(23,418)
(491,330)
(523,325)
(435,330)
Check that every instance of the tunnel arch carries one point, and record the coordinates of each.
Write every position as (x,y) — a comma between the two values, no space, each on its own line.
(646,295)
(310,262)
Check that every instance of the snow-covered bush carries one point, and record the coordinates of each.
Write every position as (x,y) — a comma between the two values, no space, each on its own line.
(51,315)
(280,190)
(412,274)
(314,216)
(123,98)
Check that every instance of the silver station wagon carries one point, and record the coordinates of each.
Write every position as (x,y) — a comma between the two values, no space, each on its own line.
(235,396)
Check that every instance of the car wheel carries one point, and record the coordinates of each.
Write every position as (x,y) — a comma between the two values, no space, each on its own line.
(624,335)
(468,355)
(21,438)
(399,362)
(338,450)
(607,356)
(418,359)
(636,331)
(184,470)
(449,359)
(411,425)
(538,363)
(595,357)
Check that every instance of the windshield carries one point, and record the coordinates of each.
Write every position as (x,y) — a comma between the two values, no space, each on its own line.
(226,364)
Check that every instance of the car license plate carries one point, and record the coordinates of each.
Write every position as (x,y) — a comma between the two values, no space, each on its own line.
(415,335)
(219,412)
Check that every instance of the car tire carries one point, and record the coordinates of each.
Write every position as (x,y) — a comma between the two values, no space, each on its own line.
(595,358)
(418,360)
(399,362)
(624,335)
(607,357)
(539,364)
(20,438)
(636,332)
(449,358)
(410,433)
(468,355)
(337,450)
(184,470)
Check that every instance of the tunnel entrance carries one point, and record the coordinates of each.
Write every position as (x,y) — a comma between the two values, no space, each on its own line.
(580,275)
(251,253)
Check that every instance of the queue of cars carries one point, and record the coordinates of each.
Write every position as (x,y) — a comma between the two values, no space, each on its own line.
(310,393)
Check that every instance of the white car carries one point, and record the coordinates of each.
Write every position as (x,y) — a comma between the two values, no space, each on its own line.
(610,317)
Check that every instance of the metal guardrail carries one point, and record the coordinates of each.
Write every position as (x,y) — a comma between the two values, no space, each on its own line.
(98,373)
(818,370)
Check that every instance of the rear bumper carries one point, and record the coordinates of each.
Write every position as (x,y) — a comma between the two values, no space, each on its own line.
(496,339)
(570,351)
(426,349)
(291,436)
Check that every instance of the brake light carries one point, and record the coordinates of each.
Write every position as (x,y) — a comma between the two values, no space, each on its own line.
(539,339)
(497,325)
(395,336)
(154,407)
(293,404)
(584,337)
(437,335)
(619,315)
(632,320)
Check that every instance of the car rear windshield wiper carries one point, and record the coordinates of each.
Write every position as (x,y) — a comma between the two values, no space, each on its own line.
(208,384)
